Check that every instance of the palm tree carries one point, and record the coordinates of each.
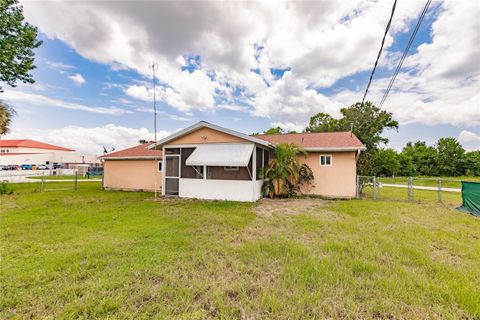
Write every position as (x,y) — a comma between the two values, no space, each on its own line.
(284,173)
(6,115)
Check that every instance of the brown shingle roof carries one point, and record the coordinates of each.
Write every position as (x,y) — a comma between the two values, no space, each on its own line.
(320,140)
(140,151)
(26,143)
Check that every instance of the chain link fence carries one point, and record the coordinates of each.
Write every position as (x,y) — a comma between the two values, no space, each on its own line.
(47,180)
(410,189)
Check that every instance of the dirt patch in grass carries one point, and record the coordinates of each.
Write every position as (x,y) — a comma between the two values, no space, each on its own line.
(269,207)
(445,256)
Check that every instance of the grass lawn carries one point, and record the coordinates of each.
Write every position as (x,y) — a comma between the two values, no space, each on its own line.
(63,177)
(95,254)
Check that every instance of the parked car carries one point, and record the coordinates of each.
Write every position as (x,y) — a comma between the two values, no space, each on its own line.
(42,167)
(94,171)
(2,167)
(27,166)
(13,167)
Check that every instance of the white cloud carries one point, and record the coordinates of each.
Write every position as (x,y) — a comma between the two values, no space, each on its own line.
(289,101)
(78,79)
(442,85)
(89,140)
(59,66)
(322,42)
(469,140)
(37,99)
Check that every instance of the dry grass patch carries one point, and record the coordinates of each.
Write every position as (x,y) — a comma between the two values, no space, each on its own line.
(267,208)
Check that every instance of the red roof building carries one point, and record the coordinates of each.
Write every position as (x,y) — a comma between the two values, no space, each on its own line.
(138,152)
(25,143)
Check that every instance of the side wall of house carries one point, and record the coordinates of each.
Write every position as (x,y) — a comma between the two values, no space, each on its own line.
(131,175)
(337,180)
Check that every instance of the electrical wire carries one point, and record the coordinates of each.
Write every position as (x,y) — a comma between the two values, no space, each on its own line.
(381,48)
(399,66)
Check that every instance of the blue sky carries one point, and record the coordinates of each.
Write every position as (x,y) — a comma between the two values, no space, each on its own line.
(93,86)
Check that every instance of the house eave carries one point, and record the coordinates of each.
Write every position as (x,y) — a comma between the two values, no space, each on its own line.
(204,124)
(337,149)
(132,158)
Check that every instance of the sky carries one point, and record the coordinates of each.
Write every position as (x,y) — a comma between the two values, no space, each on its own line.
(247,66)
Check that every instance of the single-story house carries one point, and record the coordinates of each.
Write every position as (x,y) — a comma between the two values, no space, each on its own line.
(136,168)
(211,162)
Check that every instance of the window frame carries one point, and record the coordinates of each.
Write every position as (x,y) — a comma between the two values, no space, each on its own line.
(325,157)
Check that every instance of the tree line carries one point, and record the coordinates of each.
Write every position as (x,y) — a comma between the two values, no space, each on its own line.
(369,123)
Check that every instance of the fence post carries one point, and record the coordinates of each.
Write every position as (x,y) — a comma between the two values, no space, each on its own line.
(75,182)
(410,189)
(42,185)
(439,190)
(374,188)
(358,187)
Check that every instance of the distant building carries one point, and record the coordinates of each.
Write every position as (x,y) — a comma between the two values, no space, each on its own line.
(18,152)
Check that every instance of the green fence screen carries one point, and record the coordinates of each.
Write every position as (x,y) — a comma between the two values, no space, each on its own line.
(471,198)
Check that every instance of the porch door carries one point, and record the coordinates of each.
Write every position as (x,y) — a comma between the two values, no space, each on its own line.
(172,174)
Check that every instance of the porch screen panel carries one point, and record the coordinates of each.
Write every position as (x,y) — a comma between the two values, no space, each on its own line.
(190,172)
(259,162)
(172,166)
(219,173)
(266,157)
(171,186)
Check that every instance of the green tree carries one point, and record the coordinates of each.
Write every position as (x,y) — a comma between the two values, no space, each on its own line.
(450,157)
(369,123)
(285,174)
(423,158)
(386,162)
(323,122)
(407,169)
(17,41)
(6,115)
(472,163)
(274,130)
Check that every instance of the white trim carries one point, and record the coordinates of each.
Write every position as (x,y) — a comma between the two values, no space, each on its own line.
(326,165)
(322,149)
(132,158)
(204,124)
(163,173)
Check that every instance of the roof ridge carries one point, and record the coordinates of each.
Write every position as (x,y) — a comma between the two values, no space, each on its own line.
(292,133)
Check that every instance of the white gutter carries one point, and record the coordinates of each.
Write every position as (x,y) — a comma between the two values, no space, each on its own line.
(318,149)
(132,158)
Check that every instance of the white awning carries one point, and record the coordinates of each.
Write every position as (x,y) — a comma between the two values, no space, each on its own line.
(234,155)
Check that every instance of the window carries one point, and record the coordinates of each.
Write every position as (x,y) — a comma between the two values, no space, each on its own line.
(326,160)
(159,166)
(230,168)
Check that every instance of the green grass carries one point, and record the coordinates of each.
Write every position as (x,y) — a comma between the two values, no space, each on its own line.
(447,182)
(63,177)
(95,254)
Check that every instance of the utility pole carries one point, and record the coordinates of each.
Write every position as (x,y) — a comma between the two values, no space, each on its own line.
(153,65)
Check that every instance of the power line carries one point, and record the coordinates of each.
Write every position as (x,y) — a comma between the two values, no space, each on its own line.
(410,41)
(153,65)
(381,48)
